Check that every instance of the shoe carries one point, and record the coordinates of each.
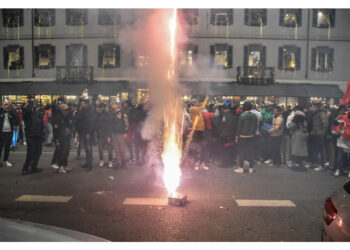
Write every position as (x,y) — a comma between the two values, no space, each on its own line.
(319,168)
(101,163)
(37,170)
(196,166)
(239,170)
(25,143)
(68,169)
(8,164)
(246,164)
(289,164)
(307,165)
(62,170)
(349,174)
(337,173)
(26,172)
(54,166)
(251,170)
(203,166)
(326,164)
(269,161)
(110,164)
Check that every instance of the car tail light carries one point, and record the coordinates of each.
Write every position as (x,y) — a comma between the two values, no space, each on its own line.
(330,212)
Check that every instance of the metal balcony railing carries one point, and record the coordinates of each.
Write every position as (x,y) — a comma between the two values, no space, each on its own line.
(256,75)
(73,74)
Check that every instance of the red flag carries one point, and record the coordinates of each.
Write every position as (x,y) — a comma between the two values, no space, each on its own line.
(346,98)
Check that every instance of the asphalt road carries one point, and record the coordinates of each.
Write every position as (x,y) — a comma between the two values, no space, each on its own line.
(97,200)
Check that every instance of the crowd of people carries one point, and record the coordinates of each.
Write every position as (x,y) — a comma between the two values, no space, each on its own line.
(224,135)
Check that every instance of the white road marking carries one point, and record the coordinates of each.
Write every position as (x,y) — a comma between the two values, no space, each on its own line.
(44,198)
(265,203)
(146,201)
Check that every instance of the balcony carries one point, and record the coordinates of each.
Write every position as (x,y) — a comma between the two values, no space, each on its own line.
(256,75)
(74,74)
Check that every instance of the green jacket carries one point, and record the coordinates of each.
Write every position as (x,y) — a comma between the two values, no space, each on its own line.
(247,124)
(319,124)
(267,116)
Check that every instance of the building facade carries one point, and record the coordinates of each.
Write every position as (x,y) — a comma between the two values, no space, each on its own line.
(261,54)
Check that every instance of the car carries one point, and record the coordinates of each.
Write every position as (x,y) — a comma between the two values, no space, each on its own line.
(17,231)
(336,215)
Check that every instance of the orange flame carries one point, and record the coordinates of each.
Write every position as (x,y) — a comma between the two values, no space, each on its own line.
(171,155)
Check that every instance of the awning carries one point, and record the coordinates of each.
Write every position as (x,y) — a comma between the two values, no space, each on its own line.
(323,91)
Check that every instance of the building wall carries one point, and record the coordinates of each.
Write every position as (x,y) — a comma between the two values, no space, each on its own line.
(204,34)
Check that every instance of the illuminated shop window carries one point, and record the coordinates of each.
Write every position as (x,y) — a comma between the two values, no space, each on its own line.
(190,16)
(76,17)
(44,17)
(13,57)
(289,58)
(221,16)
(109,56)
(323,18)
(12,18)
(255,17)
(188,54)
(221,56)
(108,17)
(142,95)
(322,59)
(44,56)
(290,17)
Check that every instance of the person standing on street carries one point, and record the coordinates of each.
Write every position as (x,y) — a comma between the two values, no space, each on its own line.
(33,116)
(275,138)
(62,133)
(7,120)
(85,127)
(48,126)
(246,129)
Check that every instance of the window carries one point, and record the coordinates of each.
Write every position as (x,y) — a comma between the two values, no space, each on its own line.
(12,18)
(76,17)
(323,18)
(254,56)
(290,17)
(322,59)
(190,16)
(108,56)
(188,54)
(13,57)
(76,55)
(221,16)
(255,17)
(289,58)
(44,57)
(44,17)
(108,17)
(221,56)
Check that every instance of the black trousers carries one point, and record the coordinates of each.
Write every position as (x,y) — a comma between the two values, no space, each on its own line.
(34,147)
(275,144)
(317,146)
(246,150)
(63,152)
(5,140)
(103,143)
(140,150)
(55,157)
(88,149)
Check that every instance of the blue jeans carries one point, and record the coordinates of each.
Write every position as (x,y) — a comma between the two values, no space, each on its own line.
(340,160)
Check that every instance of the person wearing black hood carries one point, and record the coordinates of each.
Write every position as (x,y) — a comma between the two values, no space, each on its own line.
(33,117)
(104,133)
(85,121)
(7,120)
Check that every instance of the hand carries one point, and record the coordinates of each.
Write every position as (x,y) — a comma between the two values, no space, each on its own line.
(88,136)
(109,140)
(57,143)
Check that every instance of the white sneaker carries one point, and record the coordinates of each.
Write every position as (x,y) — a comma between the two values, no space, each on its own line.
(239,170)
(68,169)
(337,173)
(196,166)
(246,164)
(24,143)
(269,161)
(203,166)
(110,164)
(289,164)
(320,168)
(54,166)
(8,164)
(61,170)
(326,164)
(251,170)
(101,163)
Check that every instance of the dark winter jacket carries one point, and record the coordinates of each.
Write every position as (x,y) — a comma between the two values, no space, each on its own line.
(85,121)
(33,118)
(104,124)
(11,116)
(247,125)
(229,127)
(119,122)
(319,124)
(62,126)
